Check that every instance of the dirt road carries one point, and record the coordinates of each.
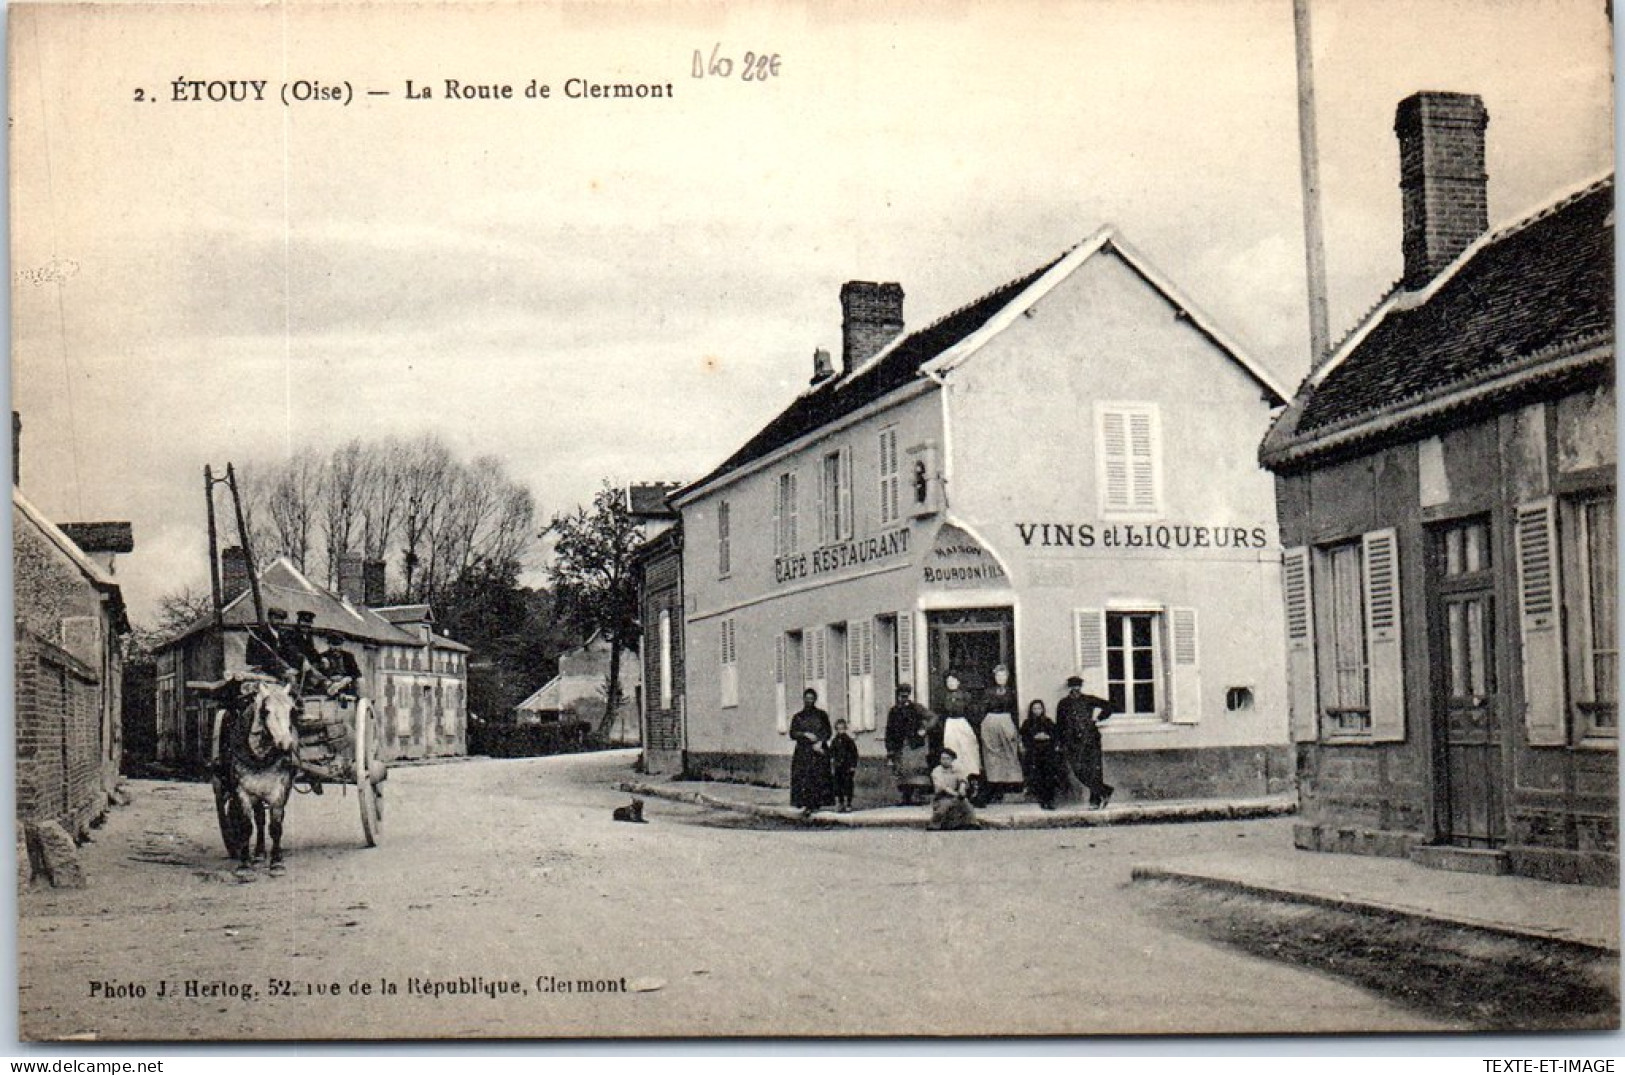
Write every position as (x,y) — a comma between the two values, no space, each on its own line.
(511,875)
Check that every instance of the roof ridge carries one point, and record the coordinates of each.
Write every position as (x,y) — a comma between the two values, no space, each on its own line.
(1562,201)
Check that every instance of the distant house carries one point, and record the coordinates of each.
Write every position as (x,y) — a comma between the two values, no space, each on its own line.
(658,564)
(70,620)
(417,678)
(577,692)
(1446,481)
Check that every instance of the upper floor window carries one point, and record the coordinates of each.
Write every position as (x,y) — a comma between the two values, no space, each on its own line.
(785,538)
(835,496)
(1594,549)
(890,502)
(724,548)
(1129,449)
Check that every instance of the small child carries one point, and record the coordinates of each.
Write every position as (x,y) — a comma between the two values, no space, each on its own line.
(843,763)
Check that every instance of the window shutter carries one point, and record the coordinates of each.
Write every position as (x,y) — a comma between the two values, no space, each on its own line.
(778,519)
(1114,454)
(792,501)
(818,644)
(1540,624)
(1089,634)
(1142,461)
(866,674)
(821,504)
(1300,645)
(847,527)
(730,665)
(854,675)
(1185,690)
(781,713)
(1384,665)
(905,648)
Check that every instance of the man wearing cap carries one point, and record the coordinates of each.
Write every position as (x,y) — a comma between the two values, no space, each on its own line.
(913,739)
(1079,716)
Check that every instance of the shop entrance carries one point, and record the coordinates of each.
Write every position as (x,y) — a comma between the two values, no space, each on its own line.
(970,642)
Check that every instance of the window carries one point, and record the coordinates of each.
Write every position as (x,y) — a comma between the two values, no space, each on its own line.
(1343,671)
(785,539)
(890,503)
(1343,638)
(730,664)
(1128,447)
(835,497)
(665,658)
(724,552)
(1597,692)
(1132,659)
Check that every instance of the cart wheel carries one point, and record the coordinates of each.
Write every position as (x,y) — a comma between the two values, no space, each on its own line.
(235,827)
(367,791)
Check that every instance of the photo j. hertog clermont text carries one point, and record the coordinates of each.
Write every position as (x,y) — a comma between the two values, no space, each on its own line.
(791,521)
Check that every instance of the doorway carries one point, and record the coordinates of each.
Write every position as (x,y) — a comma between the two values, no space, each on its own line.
(1467,707)
(970,642)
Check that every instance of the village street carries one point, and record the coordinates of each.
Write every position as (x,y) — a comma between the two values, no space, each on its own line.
(513,871)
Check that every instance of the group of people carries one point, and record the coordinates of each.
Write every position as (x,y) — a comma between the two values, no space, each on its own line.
(968,753)
(308,660)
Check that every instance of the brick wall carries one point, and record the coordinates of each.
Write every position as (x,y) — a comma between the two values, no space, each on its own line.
(663,731)
(59,749)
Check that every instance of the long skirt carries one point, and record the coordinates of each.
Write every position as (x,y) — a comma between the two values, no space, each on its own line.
(1001,752)
(809,778)
(1046,776)
(951,812)
(959,737)
(914,767)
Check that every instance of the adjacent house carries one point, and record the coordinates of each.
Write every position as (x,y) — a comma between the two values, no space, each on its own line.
(70,623)
(417,678)
(1446,481)
(658,568)
(1058,477)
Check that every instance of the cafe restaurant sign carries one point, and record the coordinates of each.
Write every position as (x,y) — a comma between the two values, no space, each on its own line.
(828,559)
(957,561)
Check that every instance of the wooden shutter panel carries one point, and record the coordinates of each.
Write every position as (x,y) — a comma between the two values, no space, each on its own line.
(781,657)
(866,674)
(818,643)
(905,648)
(844,496)
(1303,693)
(1185,691)
(1142,462)
(1114,456)
(730,664)
(1384,663)
(1089,635)
(1540,624)
(821,508)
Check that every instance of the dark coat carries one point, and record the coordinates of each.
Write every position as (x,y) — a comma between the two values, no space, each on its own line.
(809,765)
(1041,741)
(1078,719)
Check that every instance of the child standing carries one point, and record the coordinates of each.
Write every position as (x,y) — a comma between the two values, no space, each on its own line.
(843,764)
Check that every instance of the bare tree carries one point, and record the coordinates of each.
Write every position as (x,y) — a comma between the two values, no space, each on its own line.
(348,472)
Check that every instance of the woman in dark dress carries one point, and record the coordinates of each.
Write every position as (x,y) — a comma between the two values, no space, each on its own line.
(1041,740)
(809,765)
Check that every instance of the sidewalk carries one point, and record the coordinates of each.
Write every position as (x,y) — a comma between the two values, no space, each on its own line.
(1518,907)
(772,804)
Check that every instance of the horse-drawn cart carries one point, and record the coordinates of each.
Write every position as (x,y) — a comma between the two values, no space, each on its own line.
(334,741)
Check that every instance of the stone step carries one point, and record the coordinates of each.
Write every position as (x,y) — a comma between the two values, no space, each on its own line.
(1461,859)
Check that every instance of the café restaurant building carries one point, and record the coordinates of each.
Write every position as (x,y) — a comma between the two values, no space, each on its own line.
(1059,477)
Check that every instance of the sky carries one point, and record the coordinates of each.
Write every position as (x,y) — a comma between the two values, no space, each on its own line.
(594,288)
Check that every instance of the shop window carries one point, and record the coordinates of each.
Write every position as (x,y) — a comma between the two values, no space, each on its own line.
(785,538)
(730,664)
(1133,657)
(724,548)
(1128,447)
(835,497)
(890,501)
(1591,537)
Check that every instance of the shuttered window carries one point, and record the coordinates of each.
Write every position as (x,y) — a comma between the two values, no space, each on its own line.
(1146,662)
(890,501)
(724,540)
(835,497)
(785,537)
(1356,631)
(1598,691)
(1128,446)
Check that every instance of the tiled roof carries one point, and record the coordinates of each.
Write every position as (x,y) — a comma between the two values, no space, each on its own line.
(1542,286)
(896,366)
(406,613)
(649,499)
(284,587)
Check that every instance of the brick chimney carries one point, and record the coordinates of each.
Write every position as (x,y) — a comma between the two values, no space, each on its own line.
(233,573)
(353,580)
(372,583)
(871,317)
(1441,179)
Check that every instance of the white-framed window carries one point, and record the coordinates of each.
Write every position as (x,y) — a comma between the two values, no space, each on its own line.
(785,538)
(891,506)
(1593,540)
(665,658)
(835,496)
(1144,660)
(724,541)
(730,663)
(1128,450)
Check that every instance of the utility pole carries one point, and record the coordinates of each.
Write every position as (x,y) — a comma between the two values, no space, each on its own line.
(1314,241)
